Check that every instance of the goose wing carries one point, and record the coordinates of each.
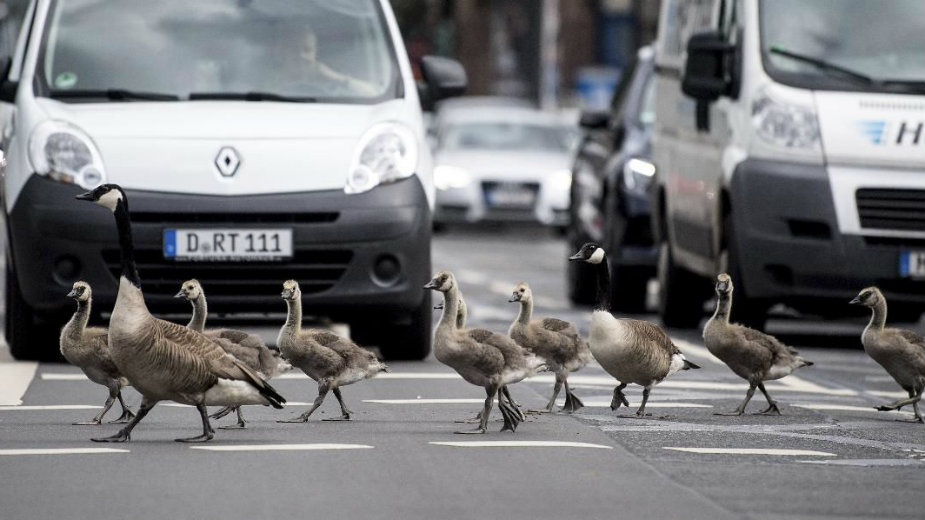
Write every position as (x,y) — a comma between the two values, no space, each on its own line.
(479,354)
(762,344)
(914,339)
(655,336)
(557,325)
(511,352)
(98,339)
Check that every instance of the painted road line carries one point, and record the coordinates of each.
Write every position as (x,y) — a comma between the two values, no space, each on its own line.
(696,350)
(386,375)
(793,384)
(63,451)
(52,376)
(424,401)
(521,444)
(891,395)
(14,381)
(284,447)
(753,451)
(846,408)
(49,407)
(661,404)
(181,405)
(866,462)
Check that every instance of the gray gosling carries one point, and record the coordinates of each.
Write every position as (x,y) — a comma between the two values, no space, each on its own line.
(632,351)
(555,340)
(751,354)
(331,360)
(164,360)
(88,349)
(901,352)
(483,358)
(245,347)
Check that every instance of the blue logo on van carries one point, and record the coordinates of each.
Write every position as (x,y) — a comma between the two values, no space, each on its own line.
(873,130)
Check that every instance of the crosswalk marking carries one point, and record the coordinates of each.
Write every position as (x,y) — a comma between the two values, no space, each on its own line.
(14,381)
(50,376)
(320,446)
(62,451)
(891,394)
(424,401)
(49,407)
(660,404)
(754,451)
(521,444)
(846,408)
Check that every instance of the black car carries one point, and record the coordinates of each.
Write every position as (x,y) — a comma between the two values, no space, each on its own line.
(611,177)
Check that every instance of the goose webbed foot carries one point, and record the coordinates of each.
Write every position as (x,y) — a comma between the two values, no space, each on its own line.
(205,437)
(572,402)
(643,413)
(512,415)
(476,431)
(772,409)
(223,412)
(126,417)
(299,419)
(618,398)
(91,422)
(240,425)
(207,431)
(122,436)
(734,413)
(539,411)
(912,420)
(345,417)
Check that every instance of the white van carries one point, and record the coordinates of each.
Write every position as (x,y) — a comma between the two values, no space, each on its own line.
(258,141)
(796,158)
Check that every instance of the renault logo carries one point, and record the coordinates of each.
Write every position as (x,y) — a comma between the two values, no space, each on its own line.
(227,161)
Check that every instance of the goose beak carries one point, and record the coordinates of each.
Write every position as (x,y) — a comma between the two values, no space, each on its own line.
(85,196)
(180,294)
(576,256)
(431,284)
(855,301)
(514,298)
(287,293)
(72,294)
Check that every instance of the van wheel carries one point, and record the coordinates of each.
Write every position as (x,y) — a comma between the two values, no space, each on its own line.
(745,310)
(27,336)
(397,342)
(680,295)
(629,288)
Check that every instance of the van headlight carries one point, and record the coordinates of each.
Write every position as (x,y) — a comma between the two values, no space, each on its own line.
(387,152)
(637,174)
(785,125)
(65,153)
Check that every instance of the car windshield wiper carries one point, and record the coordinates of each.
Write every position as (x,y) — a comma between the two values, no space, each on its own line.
(113,94)
(822,64)
(250,96)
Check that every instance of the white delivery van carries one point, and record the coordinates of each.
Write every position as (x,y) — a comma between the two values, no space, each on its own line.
(790,150)
(258,141)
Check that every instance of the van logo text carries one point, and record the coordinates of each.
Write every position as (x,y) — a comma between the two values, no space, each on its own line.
(902,134)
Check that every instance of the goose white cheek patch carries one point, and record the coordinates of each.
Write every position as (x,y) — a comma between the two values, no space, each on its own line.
(597,257)
(110,199)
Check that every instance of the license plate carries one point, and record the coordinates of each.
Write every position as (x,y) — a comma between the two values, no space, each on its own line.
(235,245)
(912,264)
(510,196)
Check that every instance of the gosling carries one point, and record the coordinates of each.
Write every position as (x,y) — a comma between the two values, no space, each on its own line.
(555,340)
(632,351)
(243,346)
(901,352)
(88,349)
(331,360)
(752,355)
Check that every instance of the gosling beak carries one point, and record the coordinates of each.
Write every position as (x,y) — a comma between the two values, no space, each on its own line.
(722,287)
(287,293)
(514,298)
(84,196)
(431,284)
(385,368)
(855,301)
(180,294)
(72,294)
(576,256)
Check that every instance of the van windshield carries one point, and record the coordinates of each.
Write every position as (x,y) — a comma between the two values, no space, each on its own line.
(276,50)
(845,44)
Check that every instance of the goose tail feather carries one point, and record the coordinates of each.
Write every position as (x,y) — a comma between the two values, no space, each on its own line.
(688,365)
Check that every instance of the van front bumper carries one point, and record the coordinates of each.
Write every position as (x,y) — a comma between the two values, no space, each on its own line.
(791,250)
(353,254)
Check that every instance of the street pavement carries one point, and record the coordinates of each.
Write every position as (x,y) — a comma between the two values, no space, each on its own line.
(830,455)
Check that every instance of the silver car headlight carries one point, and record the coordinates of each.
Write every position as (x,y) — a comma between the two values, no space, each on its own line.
(65,153)
(387,152)
(561,180)
(448,177)
(637,174)
(785,125)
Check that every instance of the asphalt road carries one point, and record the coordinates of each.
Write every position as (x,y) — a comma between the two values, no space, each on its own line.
(829,456)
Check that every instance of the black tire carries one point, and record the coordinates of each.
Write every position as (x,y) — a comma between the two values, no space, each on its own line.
(29,337)
(680,292)
(629,288)
(400,341)
(580,279)
(745,310)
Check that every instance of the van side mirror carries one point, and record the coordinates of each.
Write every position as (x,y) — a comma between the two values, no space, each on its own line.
(7,88)
(444,77)
(708,74)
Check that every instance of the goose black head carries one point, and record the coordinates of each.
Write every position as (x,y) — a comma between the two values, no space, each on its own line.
(190,290)
(443,281)
(80,291)
(522,293)
(868,297)
(106,195)
(723,284)
(590,252)
(291,291)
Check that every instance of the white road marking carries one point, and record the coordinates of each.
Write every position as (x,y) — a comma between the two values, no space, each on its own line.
(866,462)
(14,381)
(52,376)
(424,401)
(754,451)
(49,407)
(788,384)
(284,447)
(62,451)
(521,444)
(471,277)
(660,404)
(891,395)
(387,375)
(846,408)
(181,405)
(700,352)
(879,379)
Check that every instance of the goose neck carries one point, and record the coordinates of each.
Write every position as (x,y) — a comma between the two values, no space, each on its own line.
(723,306)
(200,311)
(81,317)
(126,244)
(878,317)
(450,308)
(293,316)
(526,312)
(603,285)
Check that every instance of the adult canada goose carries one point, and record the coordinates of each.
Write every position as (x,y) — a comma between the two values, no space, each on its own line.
(555,340)
(632,351)
(331,360)
(163,360)
(752,355)
(901,352)
(88,349)
(245,347)
(483,358)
